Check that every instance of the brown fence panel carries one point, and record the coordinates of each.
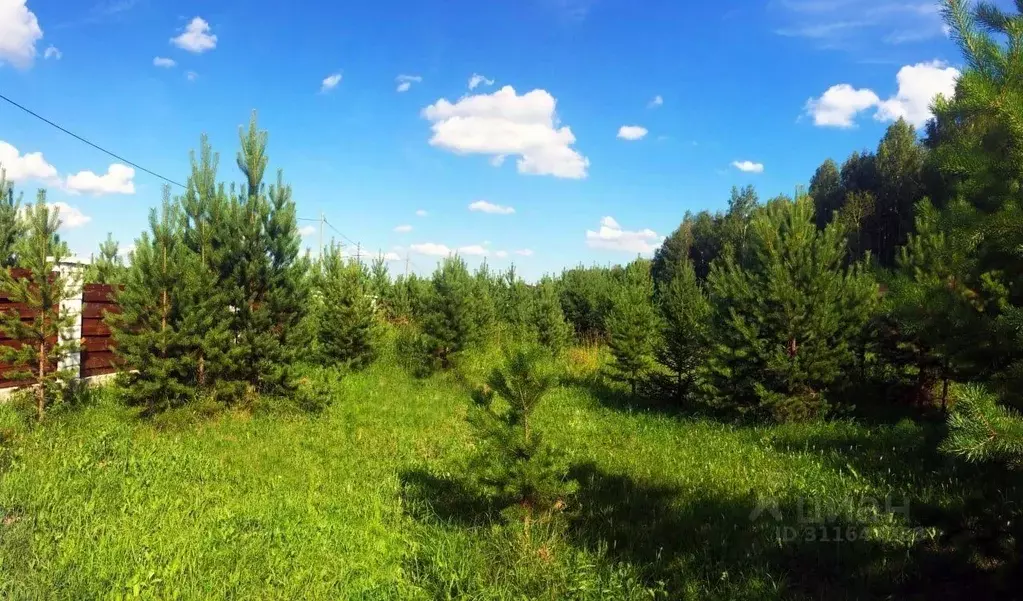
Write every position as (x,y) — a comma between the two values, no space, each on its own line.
(97,343)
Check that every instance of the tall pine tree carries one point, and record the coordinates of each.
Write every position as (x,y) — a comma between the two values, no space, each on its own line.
(158,366)
(787,316)
(685,314)
(42,339)
(632,324)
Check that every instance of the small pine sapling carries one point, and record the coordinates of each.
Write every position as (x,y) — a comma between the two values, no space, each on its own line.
(524,474)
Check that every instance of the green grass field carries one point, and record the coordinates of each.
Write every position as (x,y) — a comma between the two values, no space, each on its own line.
(369,500)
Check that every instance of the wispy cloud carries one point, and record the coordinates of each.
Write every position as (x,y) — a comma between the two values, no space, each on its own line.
(857,24)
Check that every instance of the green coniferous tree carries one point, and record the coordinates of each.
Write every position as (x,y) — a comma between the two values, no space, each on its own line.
(826,192)
(268,273)
(157,363)
(513,462)
(345,325)
(685,315)
(208,230)
(547,318)
(483,297)
(931,303)
(785,322)
(632,324)
(514,305)
(380,282)
(449,323)
(107,267)
(41,339)
(11,225)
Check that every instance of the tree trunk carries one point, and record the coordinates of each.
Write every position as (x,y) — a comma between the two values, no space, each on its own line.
(41,389)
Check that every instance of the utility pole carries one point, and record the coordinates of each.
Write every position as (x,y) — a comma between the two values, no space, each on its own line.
(358,252)
(322,219)
(406,264)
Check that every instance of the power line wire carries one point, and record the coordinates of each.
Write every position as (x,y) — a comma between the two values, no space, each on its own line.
(136,165)
(96,146)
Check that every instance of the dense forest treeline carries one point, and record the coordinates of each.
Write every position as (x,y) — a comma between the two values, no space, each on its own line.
(895,278)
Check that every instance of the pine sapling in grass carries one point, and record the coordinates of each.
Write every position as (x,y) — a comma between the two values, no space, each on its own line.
(39,336)
(524,474)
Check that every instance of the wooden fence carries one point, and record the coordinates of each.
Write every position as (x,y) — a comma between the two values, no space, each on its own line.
(97,344)
(96,356)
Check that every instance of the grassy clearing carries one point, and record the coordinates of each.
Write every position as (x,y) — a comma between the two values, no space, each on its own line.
(369,500)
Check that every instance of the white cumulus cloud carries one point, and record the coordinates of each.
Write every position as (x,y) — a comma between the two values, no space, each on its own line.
(631,132)
(421,213)
(483,206)
(524,252)
(656,102)
(330,82)
(431,249)
(505,123)
(392,256)
(748,166)
(478,79)
(918,85)
(196,37)
(19,32)
(307,230)
(405,81)
(53,52)
(166,63)
(500,254)
(117,180)
(611,236)
(839,105)
(19,167)
(474,250)
(402,229)
(70,217)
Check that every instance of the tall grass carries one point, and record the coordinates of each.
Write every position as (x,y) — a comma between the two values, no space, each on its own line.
(369,499)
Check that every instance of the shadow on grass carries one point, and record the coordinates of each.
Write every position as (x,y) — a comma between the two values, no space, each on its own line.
(429,497)
(655,394)
(674,535)
(976,509)
(747,547)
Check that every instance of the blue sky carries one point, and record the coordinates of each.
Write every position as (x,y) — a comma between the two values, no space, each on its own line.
(750,93)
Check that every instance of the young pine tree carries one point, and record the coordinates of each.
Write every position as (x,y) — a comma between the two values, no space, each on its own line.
(632,324)
(786,319)
(345,327)
(513,462)
(449,322)
(380,282)
(157,359)
(108,267)
(40,348)
(209,231)
(547,318)
(10,220)
(685,315)
(268,274)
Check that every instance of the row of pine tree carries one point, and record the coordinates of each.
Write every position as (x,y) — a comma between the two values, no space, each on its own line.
(897,278)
